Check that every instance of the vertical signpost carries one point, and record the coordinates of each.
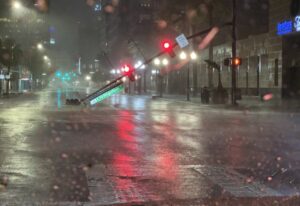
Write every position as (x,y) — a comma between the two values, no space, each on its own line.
(233,66)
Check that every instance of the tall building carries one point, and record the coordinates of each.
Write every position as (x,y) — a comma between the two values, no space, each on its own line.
(23,24)
(27,28)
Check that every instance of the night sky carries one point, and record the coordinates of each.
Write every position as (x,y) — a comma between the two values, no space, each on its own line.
(65,16)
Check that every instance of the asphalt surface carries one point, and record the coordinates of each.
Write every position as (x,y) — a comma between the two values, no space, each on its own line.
(133,150)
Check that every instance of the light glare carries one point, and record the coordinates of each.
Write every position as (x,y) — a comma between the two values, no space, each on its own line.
(165,62)
(183,56)
(17,5)
(156,61)
(194,55)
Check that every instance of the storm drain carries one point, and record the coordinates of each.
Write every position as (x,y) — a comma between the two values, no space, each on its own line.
(235,183)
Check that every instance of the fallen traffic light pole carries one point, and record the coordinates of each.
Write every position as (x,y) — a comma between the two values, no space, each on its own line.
(115,84)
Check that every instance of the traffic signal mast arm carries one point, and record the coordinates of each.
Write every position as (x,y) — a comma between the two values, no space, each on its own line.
(189,37)
(172,46)
(119,79)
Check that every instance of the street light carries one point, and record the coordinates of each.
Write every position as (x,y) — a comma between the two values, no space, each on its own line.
(194,56)
(183,55)
(156,61)
(46,58)
(165,62)
(40,46)
(154,72)
(17,5)
(88,78)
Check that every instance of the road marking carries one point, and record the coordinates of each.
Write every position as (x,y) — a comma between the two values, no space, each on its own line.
(235,183)
(121,184)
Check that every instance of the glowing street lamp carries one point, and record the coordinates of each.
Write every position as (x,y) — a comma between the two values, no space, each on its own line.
(157,62)
(183,55)
(154,72)
(165,62)
(194,56)
(46,58)
(88,78)
(17,5)
(40,46)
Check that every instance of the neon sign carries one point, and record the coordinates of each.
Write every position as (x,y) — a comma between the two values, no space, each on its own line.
(288,26)
(285,27)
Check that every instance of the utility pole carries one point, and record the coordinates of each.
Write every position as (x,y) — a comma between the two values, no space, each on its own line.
(211,47)
(234,66)
(11,60)
(188,83)
(144,58)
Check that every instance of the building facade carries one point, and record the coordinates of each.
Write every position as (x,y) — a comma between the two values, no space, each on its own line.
(26,27)
(270,60)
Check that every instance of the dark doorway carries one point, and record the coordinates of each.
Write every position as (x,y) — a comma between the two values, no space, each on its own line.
(294,82)
(291,66)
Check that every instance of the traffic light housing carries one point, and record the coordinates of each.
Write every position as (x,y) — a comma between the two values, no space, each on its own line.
(237,61)
(167,46)
(128,71)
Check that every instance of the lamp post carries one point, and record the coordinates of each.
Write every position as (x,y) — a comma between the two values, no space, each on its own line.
(184,56)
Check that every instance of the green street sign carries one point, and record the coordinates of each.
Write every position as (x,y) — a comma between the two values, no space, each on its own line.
(107,94)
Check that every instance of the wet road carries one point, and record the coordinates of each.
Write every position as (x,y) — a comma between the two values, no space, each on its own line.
(136,151)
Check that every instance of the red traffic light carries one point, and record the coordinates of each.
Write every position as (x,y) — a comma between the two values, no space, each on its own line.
(167,46)
(127,69)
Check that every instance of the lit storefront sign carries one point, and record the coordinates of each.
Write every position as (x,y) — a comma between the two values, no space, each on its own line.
(288,26)
(285,27)
(297,23)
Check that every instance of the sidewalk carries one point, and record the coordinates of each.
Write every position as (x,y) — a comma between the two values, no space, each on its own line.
(11,95)
(251,103)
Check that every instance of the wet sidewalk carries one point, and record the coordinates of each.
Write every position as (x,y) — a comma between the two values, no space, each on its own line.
(251,103)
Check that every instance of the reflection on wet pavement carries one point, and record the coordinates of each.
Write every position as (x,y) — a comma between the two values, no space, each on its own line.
(134,150)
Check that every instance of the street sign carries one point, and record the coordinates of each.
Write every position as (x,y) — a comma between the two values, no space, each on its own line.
(182,41)
(106,95)
(2,76)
